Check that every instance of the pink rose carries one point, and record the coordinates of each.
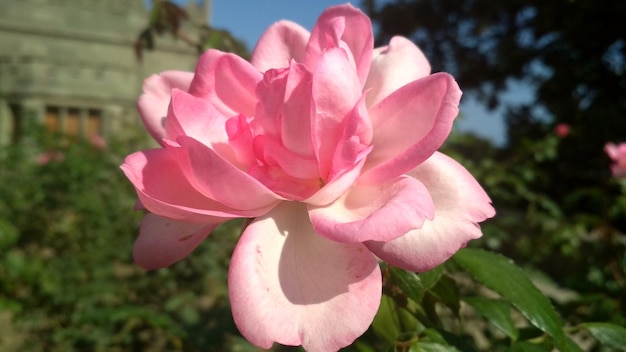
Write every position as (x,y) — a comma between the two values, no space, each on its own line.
(562,130)
(98,141)
(46,158)
(617,153)
(331,146)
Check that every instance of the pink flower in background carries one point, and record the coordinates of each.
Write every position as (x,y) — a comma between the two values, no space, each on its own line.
(617,153)
(45,158)
(562,130)
(98,141)
(331,146)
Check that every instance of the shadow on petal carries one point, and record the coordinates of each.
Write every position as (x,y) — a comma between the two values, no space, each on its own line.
(313,269)
(289,285)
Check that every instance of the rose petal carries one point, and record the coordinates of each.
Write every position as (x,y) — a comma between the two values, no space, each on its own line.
(217,179)
(347,24)
(410,125)
(460,204)
(611,150)
(196,117)
(152,104)
(393,66)
(163,189)
(162,241)
(279,44)
(379,213)
(228,81)
(338,184)
(289,285)
(355,140)
(296,121)
(272,153)
(333,100)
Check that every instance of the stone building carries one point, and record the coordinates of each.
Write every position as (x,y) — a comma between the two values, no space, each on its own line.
(70,64)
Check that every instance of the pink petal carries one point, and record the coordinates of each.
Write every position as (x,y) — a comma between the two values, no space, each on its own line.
(380,213)
(217,179)
(228,81)
(335,93)
(460,204)
(342,26)
(281,42)
(284,185)
(296,121)
(355,140)
(271,94)
(197,118)
(285,111)
(272,153)
(162,241)
(615,151)
(337,185)
(164,190)
(410,125)
(393,66)
(153,103)
(239,141)
(289,285)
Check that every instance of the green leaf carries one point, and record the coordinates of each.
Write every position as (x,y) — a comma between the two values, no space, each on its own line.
(430,278)
(504,277)
(441,340)
(431,347)
(386,323)
(523,346)
(497,312)
(608,334)
(446,292)
(409,283)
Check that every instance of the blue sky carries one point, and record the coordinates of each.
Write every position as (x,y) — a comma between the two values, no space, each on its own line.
(247,19)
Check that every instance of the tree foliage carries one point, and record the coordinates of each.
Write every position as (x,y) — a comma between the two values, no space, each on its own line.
(166,17)
(570,54)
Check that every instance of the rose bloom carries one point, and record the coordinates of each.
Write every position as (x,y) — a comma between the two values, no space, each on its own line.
(46,158)
(331,147)
(562,130)
(617,153)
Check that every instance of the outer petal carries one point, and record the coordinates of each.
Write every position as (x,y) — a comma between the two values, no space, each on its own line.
(163,189)
(162,241)
(343,26)
(393,66)
(289,285)
(281,42)
(217,179)
(410,125)
(152,104)
(460,204)
(228,81)
(379,213)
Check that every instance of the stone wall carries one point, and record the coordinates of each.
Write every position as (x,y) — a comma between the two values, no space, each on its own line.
(77,57)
